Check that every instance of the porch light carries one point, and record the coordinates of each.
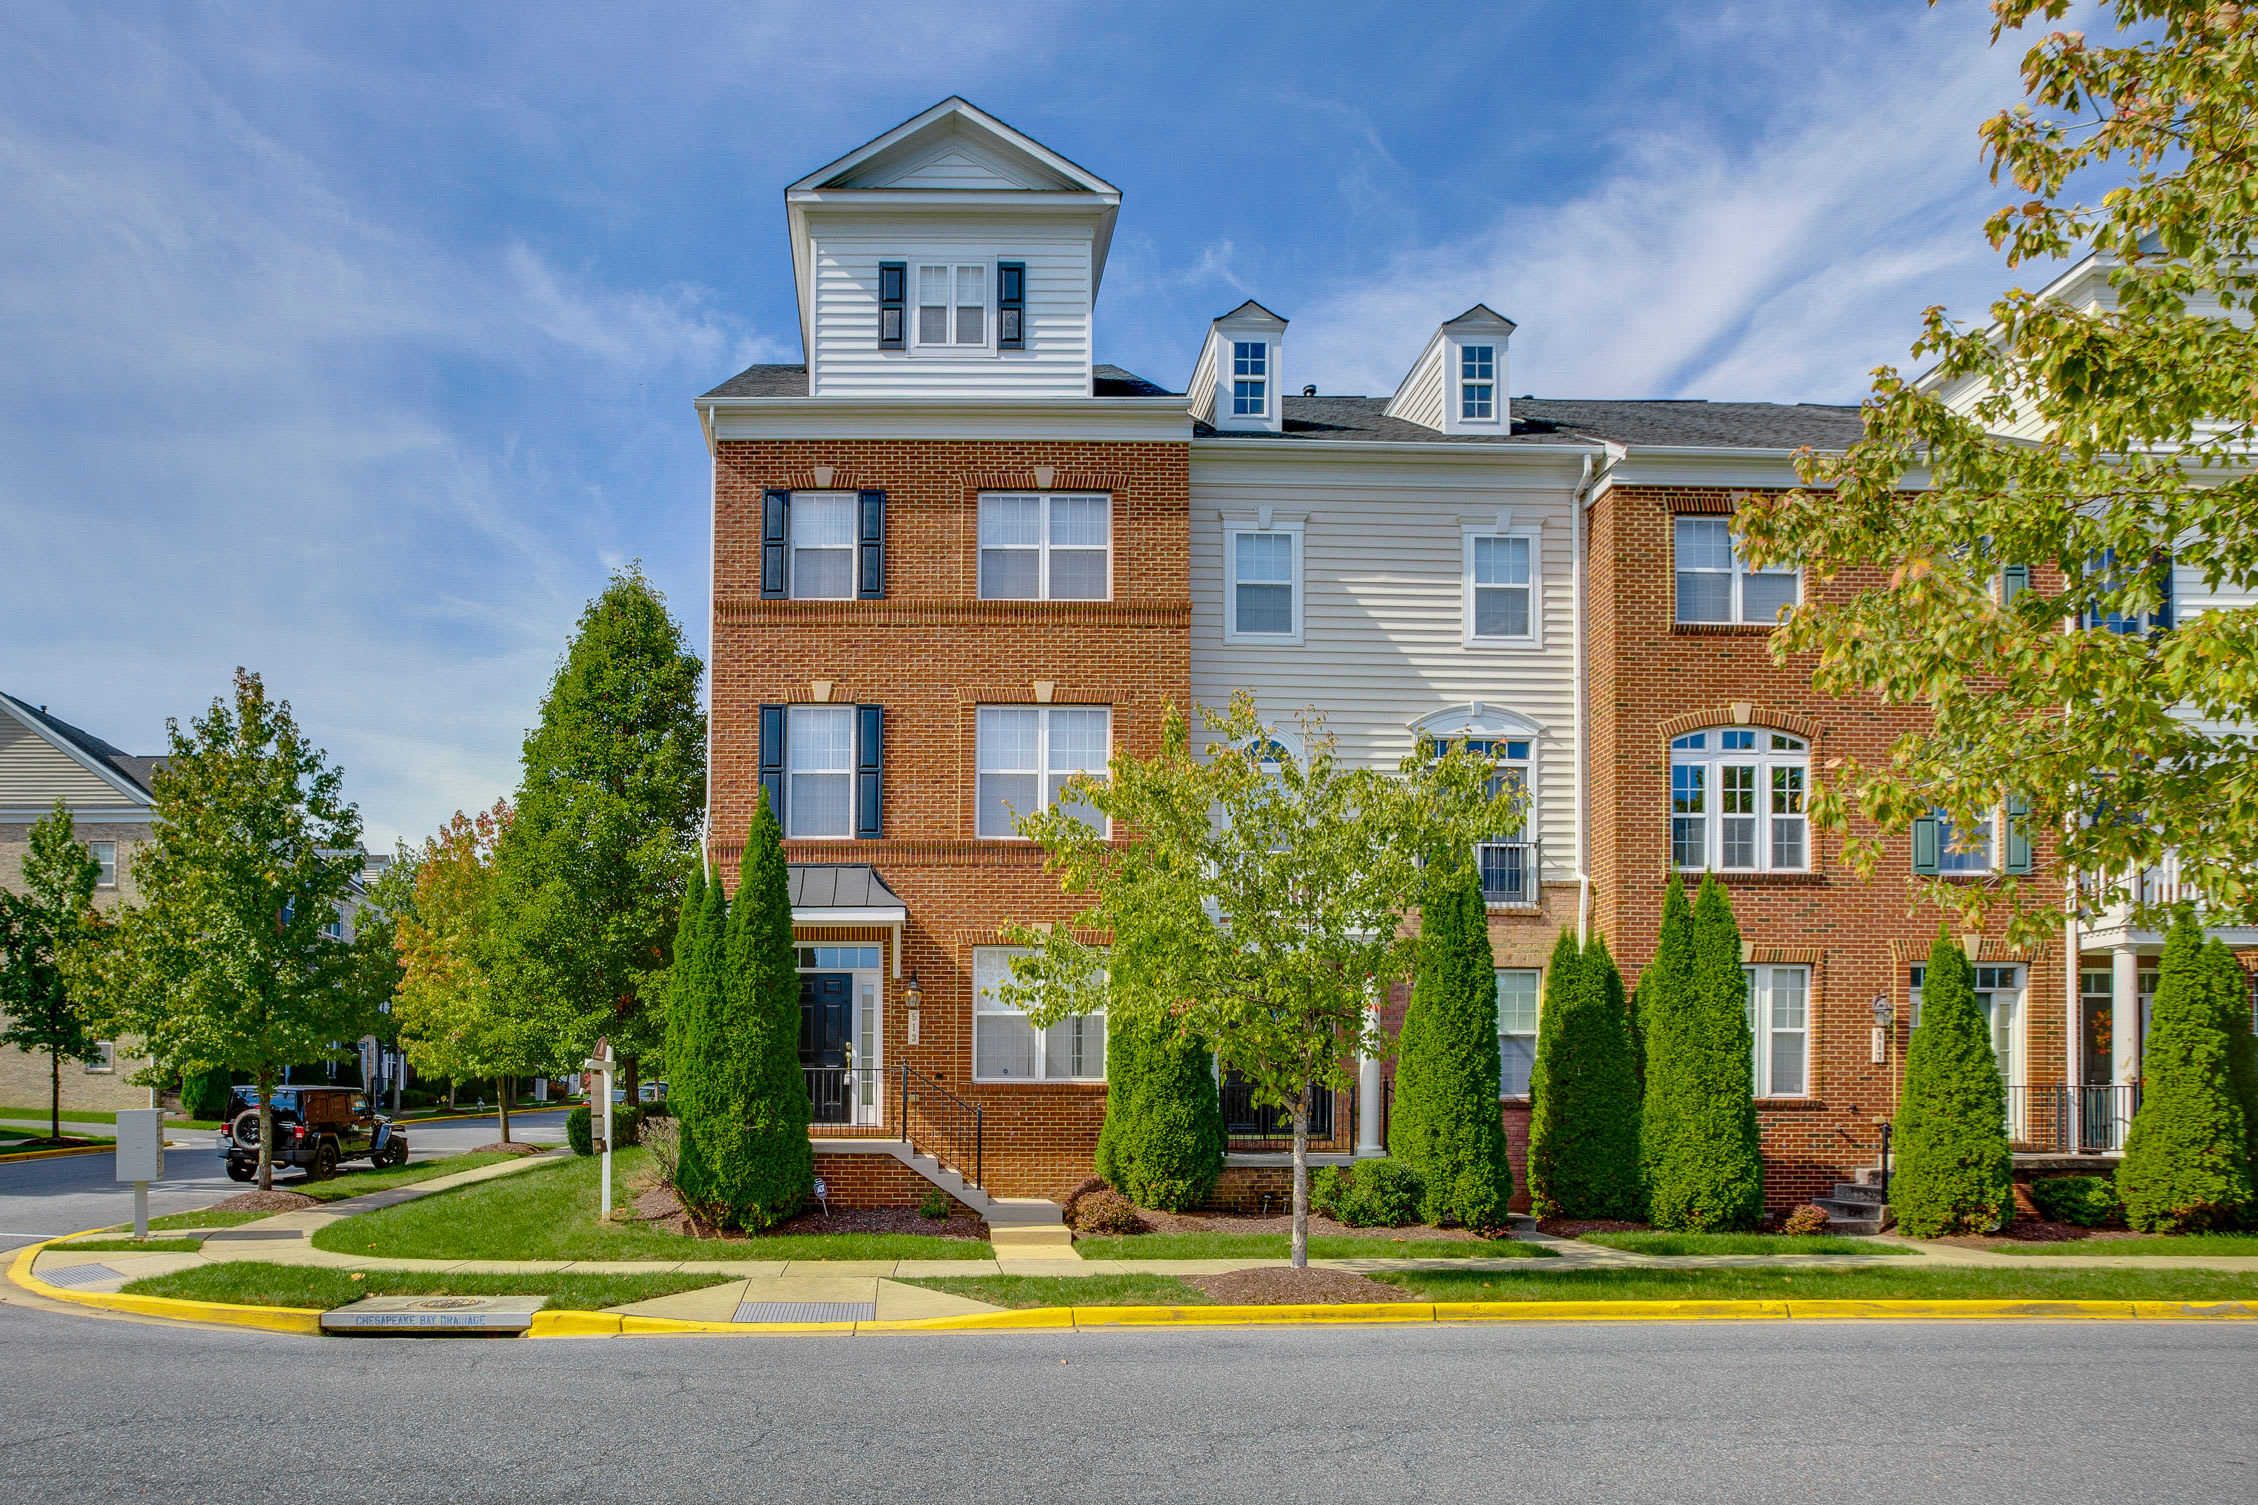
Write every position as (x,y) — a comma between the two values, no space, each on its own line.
(912,996)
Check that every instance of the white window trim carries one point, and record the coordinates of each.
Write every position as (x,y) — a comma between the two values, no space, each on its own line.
(1042,1053)
(1042,761)
(1228,398)
(112,864)
(106,1064)
(1765,758)
(1760,1055)
(1457,372)
(1231,531)
(1739,574)
(1536,635)
(1530,1034)
(1043,543)
(915,347)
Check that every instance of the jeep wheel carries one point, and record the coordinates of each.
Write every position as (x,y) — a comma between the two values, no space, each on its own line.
(392,1154)
(246,1128)
(238,1171)
(324,1162)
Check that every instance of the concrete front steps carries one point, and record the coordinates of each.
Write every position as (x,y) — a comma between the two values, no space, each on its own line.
(1857,1206)
(1018,1227)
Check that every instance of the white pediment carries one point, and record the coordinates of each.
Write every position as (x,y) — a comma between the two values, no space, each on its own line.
(955,146)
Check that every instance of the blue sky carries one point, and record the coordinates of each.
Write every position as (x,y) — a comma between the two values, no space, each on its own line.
(356,343)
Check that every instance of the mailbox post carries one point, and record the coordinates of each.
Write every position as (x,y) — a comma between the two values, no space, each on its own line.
(599,1068)
(141,1158)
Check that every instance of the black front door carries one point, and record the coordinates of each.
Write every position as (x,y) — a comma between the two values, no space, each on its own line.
(826,1034)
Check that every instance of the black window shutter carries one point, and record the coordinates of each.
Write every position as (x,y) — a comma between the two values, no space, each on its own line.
(870,535)
(2163,617)
(893,285)
(870,767)
(776,507)
(772,757)
(1011,305)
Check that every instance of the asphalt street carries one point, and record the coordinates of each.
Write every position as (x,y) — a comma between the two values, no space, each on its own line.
(108,1409)
(43,1198)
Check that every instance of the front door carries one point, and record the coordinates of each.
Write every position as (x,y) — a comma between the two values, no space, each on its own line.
(826,1043)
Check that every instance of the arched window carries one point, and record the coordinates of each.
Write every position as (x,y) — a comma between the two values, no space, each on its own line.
(1737,801)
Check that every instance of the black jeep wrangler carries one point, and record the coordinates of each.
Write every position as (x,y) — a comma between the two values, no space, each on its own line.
(315,1129)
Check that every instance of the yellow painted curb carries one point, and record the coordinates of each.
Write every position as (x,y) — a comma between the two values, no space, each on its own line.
(632,1326)
(1837,1311)
(1610,1311)
(82,1149)
(2230,1310)
(1032,1317)
(278,1319)
(1240,1316)
(574,1325)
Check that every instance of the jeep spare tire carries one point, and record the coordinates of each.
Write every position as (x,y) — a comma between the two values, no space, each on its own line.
(246,1129)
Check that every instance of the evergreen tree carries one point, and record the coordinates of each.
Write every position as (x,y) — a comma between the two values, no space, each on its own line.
(688,990)
(1584,1119)
(1662,991)
(38,1013)
(1954,1170)
(753,1122)
(608,813)
(2187,1159)
(1711,1176)
(1163,1140)
(2230,993)
(1445,1123)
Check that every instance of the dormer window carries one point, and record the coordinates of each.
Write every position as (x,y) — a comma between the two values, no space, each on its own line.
(1250,378)
(1477,382)
(952,305)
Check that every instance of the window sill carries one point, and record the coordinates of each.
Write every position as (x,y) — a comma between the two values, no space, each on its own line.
(1525,645)
(1761,879)
(1790,1105)
(1700,629)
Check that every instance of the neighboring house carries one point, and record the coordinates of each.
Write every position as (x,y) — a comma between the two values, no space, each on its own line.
(957,560)
(43,759)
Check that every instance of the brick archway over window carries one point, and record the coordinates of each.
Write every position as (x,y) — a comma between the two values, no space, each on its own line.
(1743,713)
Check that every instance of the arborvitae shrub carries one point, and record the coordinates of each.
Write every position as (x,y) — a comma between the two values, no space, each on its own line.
(576,1132)
(2230,994)
(1445,1123)
(1163,1139)
(2087,1201)
(693,1004)
(1584,1111)
(2187,1160)
(203,1094)
(1711,1173)
(1662,990)
(1367,1194)
(1953,1171)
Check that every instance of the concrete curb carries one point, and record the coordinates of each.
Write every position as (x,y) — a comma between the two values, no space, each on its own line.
(277,1319)
(84,1149)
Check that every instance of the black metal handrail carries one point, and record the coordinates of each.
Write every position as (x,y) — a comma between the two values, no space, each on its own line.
(1332,1116)
(2075,1118)
(953,1131)
(835,1093)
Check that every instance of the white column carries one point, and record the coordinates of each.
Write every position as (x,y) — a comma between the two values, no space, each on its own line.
(1369,1088)
(2124,1016)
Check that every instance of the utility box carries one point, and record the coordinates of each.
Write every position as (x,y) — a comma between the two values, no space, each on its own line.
(141,1145)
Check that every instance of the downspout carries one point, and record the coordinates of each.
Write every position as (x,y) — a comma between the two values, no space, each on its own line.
(713,555)
(1584,485)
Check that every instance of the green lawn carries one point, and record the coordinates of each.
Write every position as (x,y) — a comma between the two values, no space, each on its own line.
(358,1180)
(205,1219)
(1068,1290)
(2179,1243)
(1824,1285)
(249,1283)
(550,1213)
(124,1245)
(1740,1243)
(89,1116)
(1279,1245)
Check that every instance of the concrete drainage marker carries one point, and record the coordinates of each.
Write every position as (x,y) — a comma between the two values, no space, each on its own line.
(806,1311)
(434,1316)
(81,1275)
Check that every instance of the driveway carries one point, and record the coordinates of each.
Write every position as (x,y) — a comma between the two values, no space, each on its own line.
(42,1199)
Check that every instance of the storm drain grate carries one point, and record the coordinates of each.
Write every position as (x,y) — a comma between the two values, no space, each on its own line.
(805,1311)
(80,1275)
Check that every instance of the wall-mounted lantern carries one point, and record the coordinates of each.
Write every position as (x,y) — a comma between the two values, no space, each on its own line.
(912,996)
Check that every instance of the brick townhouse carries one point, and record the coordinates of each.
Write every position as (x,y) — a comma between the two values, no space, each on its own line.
(957,560)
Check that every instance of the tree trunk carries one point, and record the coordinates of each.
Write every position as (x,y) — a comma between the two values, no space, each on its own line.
(54,1094)
(450,1094)
(504,1086)
(266,1129)
(1301,1179)
(631,1077)
(399,1080)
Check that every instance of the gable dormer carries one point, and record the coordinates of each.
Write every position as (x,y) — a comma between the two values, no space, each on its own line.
(1457,386)
(1237,383)
(950,257)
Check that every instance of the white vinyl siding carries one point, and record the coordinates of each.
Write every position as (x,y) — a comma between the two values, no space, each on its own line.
(34,773)
(1007,1048)
(849,363)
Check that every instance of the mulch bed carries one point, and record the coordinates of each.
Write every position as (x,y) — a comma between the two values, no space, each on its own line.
(1275,1222)
(1578,1227)
(1286,1286)
(2035,1232)
(662,1209)
(265,1201)
(514,1147)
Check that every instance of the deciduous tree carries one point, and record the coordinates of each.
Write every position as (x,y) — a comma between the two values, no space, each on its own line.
(39,1013)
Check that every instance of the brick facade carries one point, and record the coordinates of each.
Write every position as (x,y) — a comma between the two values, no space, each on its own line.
(854,1179)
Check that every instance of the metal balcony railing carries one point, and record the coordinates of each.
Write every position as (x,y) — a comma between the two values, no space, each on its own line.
(1509,872)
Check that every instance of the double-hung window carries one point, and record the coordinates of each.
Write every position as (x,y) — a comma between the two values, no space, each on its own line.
(1025,755)
(1501,572)
(1262,588)
(952,305)
(1477,382)
(1250,379)
(1737,801)
(1041,547)
(1779,1019)
(819,763)
(1508,860)
(105,855)
(1518,991)
(1716,585)
(823,545)
(1006,1047)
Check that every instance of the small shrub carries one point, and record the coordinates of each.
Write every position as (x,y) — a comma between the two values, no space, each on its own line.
(1073,1199)
(203,1094)
(935,1205)
(1803,1221)
(663,1138)
(623,1132)
(1107,1212)
(576,1132)
(1367,1194)
(2087,1201)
